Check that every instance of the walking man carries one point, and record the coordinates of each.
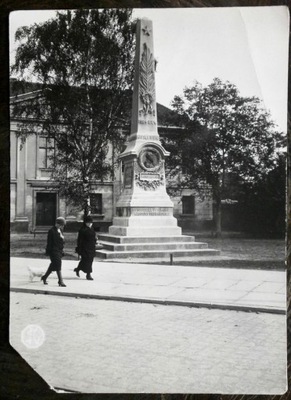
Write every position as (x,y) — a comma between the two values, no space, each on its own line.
(54,249)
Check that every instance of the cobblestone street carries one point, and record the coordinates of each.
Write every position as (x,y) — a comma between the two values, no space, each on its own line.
(97,346)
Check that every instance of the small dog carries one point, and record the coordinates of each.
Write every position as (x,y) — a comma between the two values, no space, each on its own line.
(35,273)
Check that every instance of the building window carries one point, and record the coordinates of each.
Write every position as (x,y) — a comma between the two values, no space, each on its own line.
(46,149)
(46,208)
(96,203)
(188,205)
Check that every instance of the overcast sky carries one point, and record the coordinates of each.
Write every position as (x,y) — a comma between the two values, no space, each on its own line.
(246,45)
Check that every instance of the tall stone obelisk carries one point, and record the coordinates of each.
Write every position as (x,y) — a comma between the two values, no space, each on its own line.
(144,207)
(144,225)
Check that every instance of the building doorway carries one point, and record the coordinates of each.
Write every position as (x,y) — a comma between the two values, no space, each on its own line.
(46,207)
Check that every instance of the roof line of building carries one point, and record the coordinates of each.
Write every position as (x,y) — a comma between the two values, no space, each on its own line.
(25,96)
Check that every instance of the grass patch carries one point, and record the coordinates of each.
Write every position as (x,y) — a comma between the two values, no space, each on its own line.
(235,252)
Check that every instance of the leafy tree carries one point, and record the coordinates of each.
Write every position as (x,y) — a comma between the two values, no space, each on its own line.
(229,140)
(83,61)
(263,203)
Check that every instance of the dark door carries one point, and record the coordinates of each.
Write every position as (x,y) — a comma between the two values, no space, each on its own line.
(46,209)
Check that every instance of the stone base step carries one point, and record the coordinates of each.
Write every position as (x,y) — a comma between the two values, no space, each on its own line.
(153,247)
(111,255)
(105,237)
(163,246)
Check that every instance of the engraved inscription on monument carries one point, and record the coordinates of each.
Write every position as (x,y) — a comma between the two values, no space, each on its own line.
(151,211)
(148,177)
(142,121)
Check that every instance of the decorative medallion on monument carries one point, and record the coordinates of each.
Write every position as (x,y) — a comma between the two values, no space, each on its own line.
(150,159)
(150,174)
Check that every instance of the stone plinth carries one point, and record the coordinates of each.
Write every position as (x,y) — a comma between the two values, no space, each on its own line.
(160,247)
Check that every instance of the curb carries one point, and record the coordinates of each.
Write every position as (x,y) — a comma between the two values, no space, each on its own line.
(155,301)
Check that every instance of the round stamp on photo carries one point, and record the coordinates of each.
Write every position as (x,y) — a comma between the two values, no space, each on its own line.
(32,336)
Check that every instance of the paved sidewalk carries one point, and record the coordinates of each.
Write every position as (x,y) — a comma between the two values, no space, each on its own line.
(99,346)
(240,289)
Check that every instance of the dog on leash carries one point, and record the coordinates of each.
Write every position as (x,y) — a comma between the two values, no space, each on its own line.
(35,273)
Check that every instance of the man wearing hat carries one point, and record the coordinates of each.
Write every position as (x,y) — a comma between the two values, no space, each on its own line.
(86,243)
(54,249)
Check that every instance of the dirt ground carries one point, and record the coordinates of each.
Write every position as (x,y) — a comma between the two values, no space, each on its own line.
(235,252)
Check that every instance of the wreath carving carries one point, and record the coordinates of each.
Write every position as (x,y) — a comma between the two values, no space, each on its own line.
(147,81)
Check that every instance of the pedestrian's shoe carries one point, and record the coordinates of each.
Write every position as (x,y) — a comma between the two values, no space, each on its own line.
(89,277)
(62,284)
(77,272)
(44,280)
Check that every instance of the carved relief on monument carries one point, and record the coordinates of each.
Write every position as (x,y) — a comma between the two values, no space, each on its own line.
(149,169)
(147,82)
(150,159)
(146,31)
(148,184)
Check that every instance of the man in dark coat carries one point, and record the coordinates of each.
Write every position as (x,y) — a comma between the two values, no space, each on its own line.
(86,243)
(54,249)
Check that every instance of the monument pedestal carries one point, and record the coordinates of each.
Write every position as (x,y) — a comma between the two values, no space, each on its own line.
(154,247)
(144,225)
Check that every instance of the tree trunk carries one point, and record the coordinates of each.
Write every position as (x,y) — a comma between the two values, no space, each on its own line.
(87,207)
(218,221)
(217,216)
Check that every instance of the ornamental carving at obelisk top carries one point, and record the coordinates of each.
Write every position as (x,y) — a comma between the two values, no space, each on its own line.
(144,226)
(144,207)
